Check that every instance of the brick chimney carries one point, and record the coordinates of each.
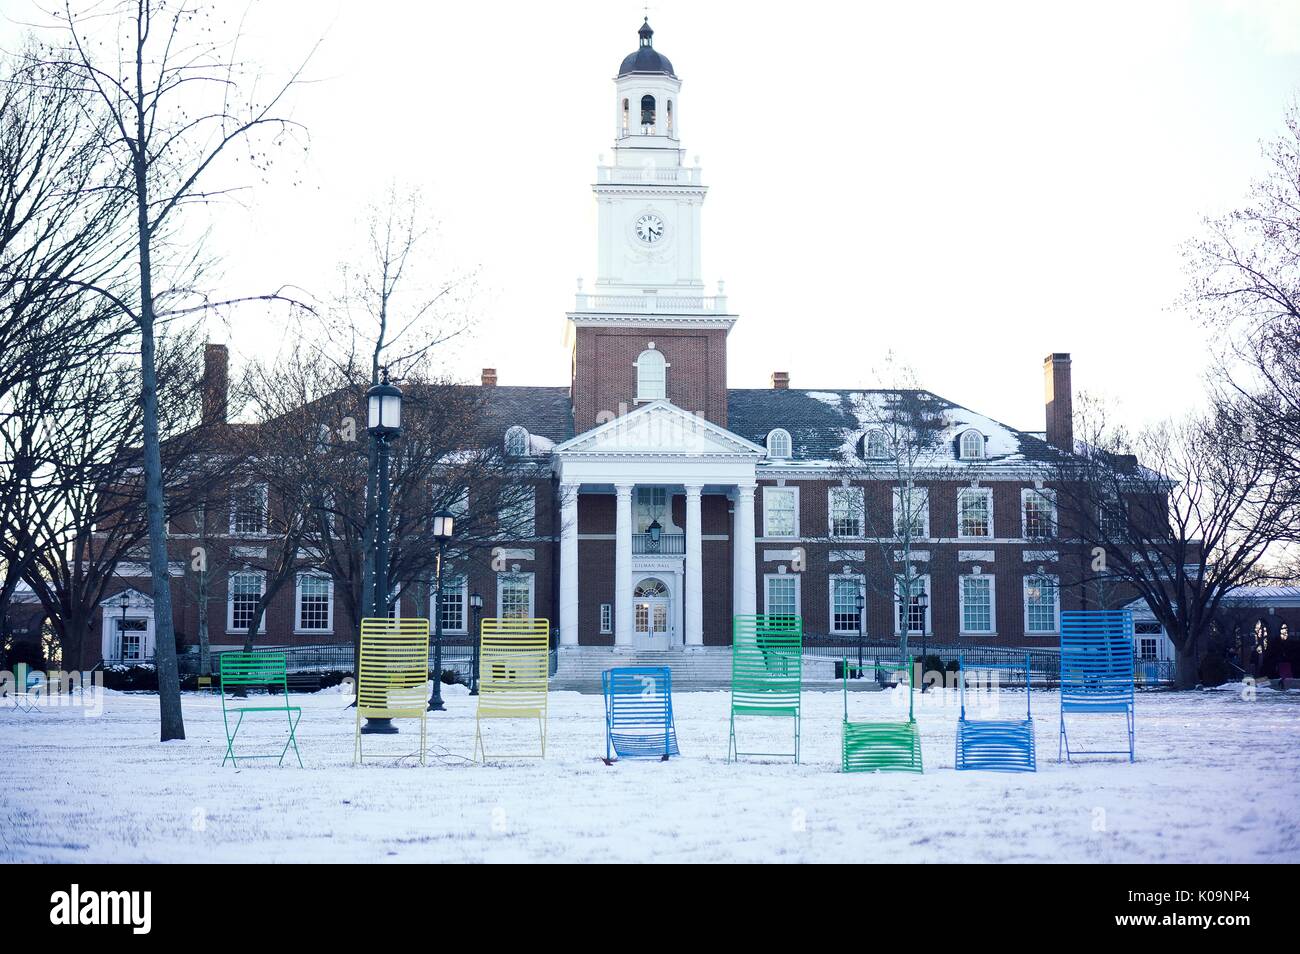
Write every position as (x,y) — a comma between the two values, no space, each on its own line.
(1060,401)
(781,380)
(489,377)
(215,386)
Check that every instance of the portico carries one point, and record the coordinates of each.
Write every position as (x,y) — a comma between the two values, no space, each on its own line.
(645,459)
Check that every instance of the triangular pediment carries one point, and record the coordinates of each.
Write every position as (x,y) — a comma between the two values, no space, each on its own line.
(662,429)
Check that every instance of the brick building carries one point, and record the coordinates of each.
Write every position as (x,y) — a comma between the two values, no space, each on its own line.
(666,501)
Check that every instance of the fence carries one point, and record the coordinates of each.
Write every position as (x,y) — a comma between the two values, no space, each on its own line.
(1044,662)
(457,656)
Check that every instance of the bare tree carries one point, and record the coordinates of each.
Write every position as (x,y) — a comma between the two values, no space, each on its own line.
(177,101)
(1244,279)
(1180,515)
(897,451)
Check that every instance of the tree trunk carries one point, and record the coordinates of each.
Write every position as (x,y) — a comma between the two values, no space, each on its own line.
(172,722)
(1187,668)
(205,649)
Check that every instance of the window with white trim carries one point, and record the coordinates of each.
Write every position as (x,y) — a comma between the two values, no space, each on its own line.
(248,509)
(875,445)
(606,618)
(1148,647)
(244,591)
(780,511)
(651,376)
(1042,602)
(911,612)
(315,603)
(913,504)
(977,603)
(517,441)
(846,511)
(781,594)
(515,595)
(779,444)
(844,604)
(455,600)
(971,445)
(518,519)
(975,512)
(1038,513)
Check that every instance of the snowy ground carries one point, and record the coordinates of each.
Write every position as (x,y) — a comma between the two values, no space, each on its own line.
(1217,779)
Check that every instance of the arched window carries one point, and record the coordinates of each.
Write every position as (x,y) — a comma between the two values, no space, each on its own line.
(649,588)
(875,445)
(626,116)
(648,111)
(670,117)
(651,376)
(517,442)
(778,443)
(972,445)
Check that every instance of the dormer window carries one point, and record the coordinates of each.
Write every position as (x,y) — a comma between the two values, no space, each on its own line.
(778,444)
(971,445)
(875,445)
(651,376)
(517,442)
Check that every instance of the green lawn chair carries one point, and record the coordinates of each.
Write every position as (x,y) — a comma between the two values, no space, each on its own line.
(257,669)
(766,674)
(881,746)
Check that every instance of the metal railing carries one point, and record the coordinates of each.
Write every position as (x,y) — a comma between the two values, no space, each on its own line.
(668,544)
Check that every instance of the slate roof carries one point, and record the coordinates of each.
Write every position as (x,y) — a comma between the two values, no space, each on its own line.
(543,412)
(824,424)
(645,58)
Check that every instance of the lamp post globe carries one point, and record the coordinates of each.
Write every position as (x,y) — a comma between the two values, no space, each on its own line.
(384,422)
(444,528)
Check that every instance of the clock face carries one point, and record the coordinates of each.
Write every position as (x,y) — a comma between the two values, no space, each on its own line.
(650,228)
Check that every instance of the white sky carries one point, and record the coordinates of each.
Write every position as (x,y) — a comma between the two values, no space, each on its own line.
(969,184)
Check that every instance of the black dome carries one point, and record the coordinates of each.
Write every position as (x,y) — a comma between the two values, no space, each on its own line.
(646,59)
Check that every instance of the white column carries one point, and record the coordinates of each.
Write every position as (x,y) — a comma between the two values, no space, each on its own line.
(694,569)
(623,567)
(568,564)
(744,558)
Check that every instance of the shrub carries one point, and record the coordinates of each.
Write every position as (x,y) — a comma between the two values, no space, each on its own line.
(1215,671)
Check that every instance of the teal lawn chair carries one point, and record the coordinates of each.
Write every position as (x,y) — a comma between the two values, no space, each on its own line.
(881,746)
(766,674)
(257,669)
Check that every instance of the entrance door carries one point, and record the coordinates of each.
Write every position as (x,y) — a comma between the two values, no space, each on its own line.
(653,607)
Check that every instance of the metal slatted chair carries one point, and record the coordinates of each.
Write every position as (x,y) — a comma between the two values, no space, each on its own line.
(514,674)
(766,674)
(1097,672)
(881,746)
(393,675)
(639,713)
(257,669)
(995,745)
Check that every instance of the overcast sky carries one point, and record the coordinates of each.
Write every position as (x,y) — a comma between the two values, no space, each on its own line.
(972,185)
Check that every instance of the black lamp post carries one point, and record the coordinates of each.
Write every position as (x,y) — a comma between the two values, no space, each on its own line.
(444,526)
(862,627)
(384,402)
(476,608)
(656,531)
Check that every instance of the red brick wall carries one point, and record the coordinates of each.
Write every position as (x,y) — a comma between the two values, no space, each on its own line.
(604,372)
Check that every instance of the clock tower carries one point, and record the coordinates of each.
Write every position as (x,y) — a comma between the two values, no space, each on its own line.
(649,292)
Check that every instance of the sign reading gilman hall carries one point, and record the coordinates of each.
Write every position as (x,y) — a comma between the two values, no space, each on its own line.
(75,907)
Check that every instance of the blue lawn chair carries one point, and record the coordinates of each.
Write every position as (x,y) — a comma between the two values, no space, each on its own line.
(1097,670)
(639,713)
(1002,745)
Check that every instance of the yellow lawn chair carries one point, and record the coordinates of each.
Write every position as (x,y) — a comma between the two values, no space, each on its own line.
(514,669)
(393,674)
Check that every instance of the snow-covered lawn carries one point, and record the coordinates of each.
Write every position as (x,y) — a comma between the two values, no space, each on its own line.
(1217,779)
